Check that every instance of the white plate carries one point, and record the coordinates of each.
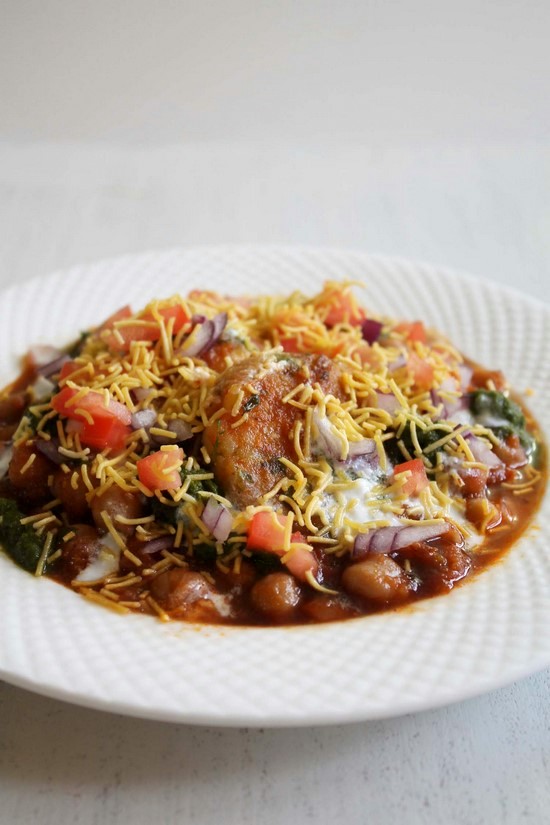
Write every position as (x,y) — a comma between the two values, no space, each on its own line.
(480,636)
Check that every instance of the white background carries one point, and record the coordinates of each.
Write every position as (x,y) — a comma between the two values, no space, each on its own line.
(411,128)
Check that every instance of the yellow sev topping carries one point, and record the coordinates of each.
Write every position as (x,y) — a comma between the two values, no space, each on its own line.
(326,488)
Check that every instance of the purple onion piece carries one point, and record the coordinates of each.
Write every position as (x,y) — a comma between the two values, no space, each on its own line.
(391,539)
(43,354)
(218,519)
(437,401)
(375,541)
(399,362)
(198,319)
(53,366)
(141,393)
(50,450)
(483,453)
(388,402)
(420,532)
(371,329)
(6,453)
(220,323)
(181,428)
(156,545)
(364,447)
(42,389)
(199,340)
(329,442)
(204,336)
(449,405)
(143,419)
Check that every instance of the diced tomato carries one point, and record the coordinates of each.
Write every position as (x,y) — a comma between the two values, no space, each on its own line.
(422,372)
(67,369)
(417,480)
(110,425)
(144,328)
(474,481)
(344,309)
(266,532)
(368,356)
(300,559)
(102,434)
(290,344)
(119,315)
(414,331)
(489,378)
(161,470)
(179,315)
(511,452)
(92,403)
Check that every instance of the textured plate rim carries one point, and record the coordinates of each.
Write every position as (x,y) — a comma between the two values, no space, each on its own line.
(235,717)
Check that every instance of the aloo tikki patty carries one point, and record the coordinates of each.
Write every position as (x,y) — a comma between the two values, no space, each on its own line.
(246,458)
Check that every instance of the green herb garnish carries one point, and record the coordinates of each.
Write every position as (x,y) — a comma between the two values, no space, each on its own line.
(20,541)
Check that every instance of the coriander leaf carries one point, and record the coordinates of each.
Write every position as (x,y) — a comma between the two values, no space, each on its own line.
(20,541)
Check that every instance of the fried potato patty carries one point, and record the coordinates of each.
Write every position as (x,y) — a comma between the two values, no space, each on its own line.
(245,458)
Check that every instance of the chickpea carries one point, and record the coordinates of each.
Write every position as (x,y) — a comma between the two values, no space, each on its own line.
(241,580)
(72,497)
(79,551)
(329,608)
(31,486)
(379,578)
(187,594)
(277,595)
(179,588)
(117,502)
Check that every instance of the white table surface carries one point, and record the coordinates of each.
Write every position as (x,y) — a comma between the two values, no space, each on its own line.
(411,128)
(484,209)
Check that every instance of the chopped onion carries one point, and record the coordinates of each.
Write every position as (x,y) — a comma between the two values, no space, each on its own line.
(218,519)
(388,402)
(371,329)
(142,393)
(399,362)
(53,366)
(199,340)
(143,419)
(50,450)
(46,359)
(482,452)
(203,336)
(156,545)
(6,452)
(449,406)
(220,323)
(329,440)
(42,389)
(181,428)
(42,354)
(392,539)
(364,447)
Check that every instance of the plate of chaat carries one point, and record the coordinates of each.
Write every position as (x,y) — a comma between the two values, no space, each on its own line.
(272,486)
